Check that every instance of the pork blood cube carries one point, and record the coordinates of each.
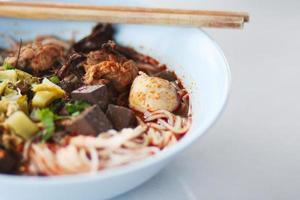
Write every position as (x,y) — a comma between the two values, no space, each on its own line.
(94,94)
(121,117)
(91,121)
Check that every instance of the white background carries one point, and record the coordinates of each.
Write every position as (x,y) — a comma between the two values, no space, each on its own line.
(253,150)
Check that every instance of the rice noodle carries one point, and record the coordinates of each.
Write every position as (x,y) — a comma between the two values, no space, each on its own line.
(156,131)
(114,140)
(164,120)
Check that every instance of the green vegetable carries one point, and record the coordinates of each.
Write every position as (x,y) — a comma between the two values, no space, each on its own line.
(47,85)
(3,86)
(7,66)
(9,101)
(47,117)
(10,91)
(74,108)
(21,124)
(43,98)
(9,75)
(54,79)
(3,106)
(26,77)
(11,96)
(23,104)
(45,93)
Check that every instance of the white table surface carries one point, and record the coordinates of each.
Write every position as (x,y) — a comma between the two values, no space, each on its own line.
(253,150)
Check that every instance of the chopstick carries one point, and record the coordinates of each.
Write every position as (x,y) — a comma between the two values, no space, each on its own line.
(117,14)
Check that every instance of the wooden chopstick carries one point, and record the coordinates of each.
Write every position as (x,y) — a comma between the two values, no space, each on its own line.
(117,14)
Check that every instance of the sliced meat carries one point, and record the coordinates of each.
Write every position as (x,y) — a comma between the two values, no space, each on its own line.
(106,53)
(148,68)
(71,72)
(92,121)
(183,110)
(67,86)
(9,161)
(144,63)
(167,75)
(74,65)
(70,83)
(134,55)
(101,33)
(94,94)
(121,117)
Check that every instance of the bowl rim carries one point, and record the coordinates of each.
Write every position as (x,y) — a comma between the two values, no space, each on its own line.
(163,155)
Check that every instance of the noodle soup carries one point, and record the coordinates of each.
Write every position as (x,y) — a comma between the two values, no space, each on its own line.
(70,107)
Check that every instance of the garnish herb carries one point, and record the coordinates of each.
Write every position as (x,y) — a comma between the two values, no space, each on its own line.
(76,107)
(47,117)
(8,66)
(54,79)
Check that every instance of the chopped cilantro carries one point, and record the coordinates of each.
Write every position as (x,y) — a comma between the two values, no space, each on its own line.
(47,117)
(75,113)
(54,79)
(74,108)
(7,66)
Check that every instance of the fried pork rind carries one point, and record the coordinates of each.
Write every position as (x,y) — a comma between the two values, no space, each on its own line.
(40,55)
(120,74)
(109,65)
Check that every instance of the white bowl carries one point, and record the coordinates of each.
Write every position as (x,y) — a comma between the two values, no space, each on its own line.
(189,51)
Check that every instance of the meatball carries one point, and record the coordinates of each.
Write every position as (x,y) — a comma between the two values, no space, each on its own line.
(152,93)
